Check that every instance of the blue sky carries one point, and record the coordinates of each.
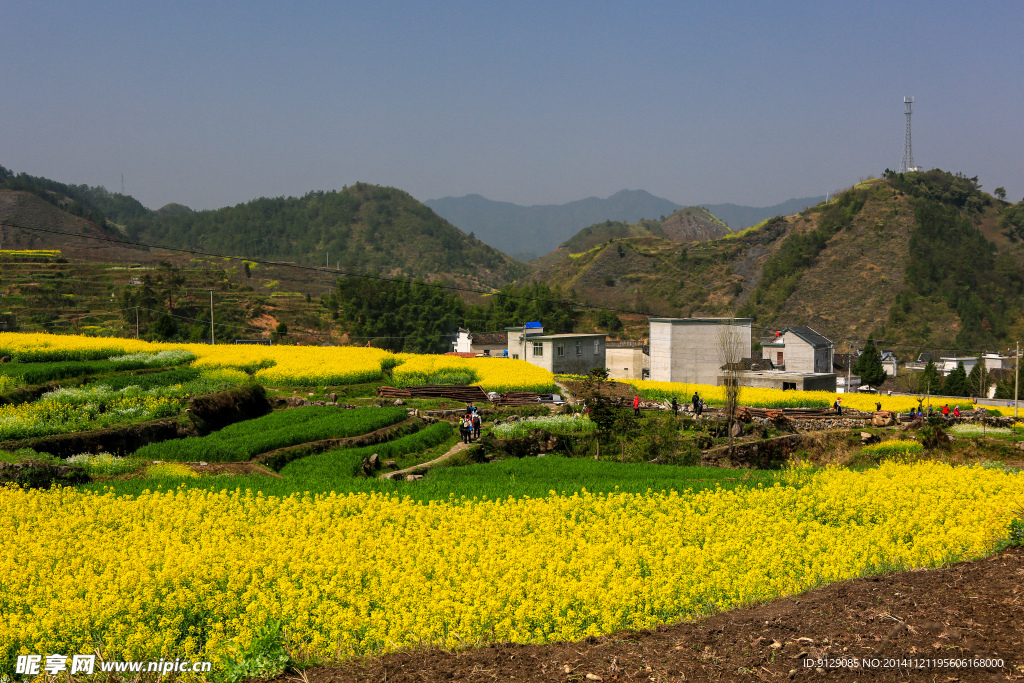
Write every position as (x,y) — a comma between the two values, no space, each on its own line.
(212,104)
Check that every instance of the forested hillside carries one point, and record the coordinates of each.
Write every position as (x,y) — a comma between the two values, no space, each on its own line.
(363,228)
(922,260)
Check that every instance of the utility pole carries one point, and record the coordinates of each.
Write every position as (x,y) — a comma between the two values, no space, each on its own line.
(136,322)
(211,318)
(1016,381)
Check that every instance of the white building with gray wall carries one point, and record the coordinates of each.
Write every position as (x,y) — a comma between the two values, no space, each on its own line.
(692,350)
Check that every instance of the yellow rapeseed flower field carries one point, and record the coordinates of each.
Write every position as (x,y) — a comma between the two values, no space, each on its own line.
(777,398)
(185,572)
(493,374)
(293,365)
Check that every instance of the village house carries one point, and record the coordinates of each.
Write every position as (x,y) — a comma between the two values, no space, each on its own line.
(890,363)
(692,350)
(569,354)
(481,343)
(516,340)
(627,360)
(798,349)
(947,364)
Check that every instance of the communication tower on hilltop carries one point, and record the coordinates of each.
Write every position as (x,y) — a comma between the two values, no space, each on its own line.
(907,163)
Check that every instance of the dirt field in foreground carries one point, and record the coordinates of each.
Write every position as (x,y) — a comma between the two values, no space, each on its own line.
(970,612)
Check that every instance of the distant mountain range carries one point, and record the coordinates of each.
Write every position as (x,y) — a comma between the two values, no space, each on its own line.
(527,232)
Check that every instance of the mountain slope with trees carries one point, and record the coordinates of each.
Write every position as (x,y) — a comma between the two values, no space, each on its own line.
(528,232)
(920,260)
(362,228)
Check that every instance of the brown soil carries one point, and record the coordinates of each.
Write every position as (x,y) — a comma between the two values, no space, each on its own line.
(969,611)
(236,469)
(611,389)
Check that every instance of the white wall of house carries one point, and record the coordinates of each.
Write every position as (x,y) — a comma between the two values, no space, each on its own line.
(462,342)
(625,363)
(690,349)
(993,361)
(947,364)
(515,340)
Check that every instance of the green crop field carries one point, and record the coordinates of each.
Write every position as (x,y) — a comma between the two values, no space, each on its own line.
(241,441)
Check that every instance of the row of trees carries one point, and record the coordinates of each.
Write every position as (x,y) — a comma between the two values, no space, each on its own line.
(418,317)
(928,381)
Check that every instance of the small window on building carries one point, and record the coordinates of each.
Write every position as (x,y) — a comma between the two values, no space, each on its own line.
(789,386)
(538,348)
(515,356)
(579,348)
(561,349)
(597,346)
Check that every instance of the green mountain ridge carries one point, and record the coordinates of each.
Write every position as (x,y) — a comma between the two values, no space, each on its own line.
(363,228)
(923,260)
(528,232)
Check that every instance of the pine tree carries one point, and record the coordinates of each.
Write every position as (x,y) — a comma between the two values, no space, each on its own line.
(956,382)
(869,366)
(930,382)
(979,380)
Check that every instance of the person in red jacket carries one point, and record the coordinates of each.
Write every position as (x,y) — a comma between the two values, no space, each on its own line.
(945,410)
(636,406)
(956,411)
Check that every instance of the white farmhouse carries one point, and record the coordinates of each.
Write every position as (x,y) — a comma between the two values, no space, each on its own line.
(799,349)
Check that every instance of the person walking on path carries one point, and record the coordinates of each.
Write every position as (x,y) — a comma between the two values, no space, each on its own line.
(636,406)
(956,411)
(945,410)
(465,431)
(477,424)
(700,406)
(675,407)
(696,404)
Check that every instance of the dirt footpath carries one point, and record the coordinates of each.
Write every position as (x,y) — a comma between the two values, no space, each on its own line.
(899,627)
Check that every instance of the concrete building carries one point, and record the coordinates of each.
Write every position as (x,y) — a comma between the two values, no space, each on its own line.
(627,362)
(995,361)
(691,349)
(799,349)
(517,343)
(947,364)
(890,363)
(570,354)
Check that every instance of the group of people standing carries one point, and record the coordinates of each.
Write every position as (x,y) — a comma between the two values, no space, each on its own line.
(470,424)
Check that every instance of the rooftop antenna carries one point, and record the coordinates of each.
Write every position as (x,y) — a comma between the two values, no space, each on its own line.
(907,163)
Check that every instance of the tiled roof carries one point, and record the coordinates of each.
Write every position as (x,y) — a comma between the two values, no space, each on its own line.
(750,364)
(489,338)
(810,336)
